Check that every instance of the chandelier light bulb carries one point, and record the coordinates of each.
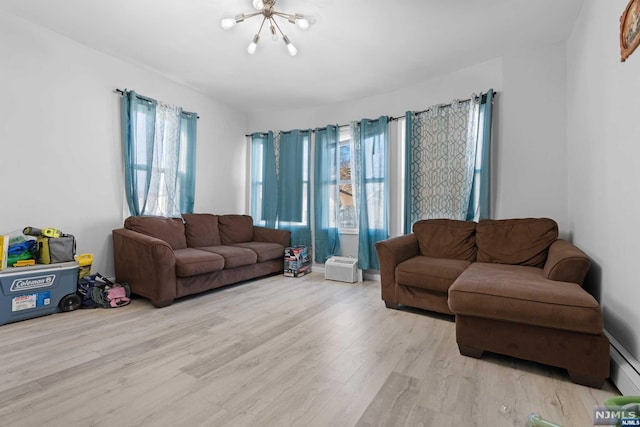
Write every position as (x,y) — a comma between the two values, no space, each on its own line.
(290,47)
(258,4)
(251,49)
(274,34)
(227,23)
(303,23)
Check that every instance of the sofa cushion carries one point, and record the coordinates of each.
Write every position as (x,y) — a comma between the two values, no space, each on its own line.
(191,262)
(515,241)
(235,229)
(201,230)
(233,256)
(171,230)
(266,251)
(446,238)
(521,294)
(435,274)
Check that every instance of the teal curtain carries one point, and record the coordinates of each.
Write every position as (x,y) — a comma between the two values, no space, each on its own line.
(138,130)
(372,183)
(264,180)
(326,178)
(293,175)
(447,161)
(187,162)
(479,200)
(280,184)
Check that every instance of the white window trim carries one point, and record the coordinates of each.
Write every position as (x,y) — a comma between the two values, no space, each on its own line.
(345,139)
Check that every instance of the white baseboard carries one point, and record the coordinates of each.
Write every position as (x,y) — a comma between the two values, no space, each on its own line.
(372,275)
(625,369)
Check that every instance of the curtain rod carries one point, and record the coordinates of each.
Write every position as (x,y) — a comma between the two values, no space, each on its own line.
(484,99)
(121,92)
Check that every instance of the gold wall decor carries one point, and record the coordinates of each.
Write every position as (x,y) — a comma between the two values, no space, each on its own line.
(629,29)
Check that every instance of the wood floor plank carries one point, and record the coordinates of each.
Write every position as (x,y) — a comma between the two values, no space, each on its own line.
(393,403)
(272,352)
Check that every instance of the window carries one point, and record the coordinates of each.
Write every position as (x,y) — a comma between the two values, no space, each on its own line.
(347,218)
(258,150)
(159,146)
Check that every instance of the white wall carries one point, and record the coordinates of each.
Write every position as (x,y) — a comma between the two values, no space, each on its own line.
(60,144)
(531,153)
(603,152)
(460,84)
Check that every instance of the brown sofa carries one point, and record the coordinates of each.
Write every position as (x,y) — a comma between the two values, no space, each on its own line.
(514,287)
(167,258)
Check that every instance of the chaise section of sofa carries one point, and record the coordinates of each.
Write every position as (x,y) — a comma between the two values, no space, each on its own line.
(513,286)
(167,258)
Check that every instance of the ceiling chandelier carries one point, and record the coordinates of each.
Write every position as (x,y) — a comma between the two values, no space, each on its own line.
(265,9)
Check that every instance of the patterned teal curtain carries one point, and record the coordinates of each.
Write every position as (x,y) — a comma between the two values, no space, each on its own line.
(326,178)
(447,162)
(159,156)
(371,167)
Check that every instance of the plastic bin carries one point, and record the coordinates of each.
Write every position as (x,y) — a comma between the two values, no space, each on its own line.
(27,292)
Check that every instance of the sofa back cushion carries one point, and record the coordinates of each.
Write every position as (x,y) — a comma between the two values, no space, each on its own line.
(201,230)
(171,230)
(523,241)
(446,238)
(235,229)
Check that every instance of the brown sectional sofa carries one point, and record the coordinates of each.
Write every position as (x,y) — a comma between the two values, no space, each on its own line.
(167,258)
(514,287)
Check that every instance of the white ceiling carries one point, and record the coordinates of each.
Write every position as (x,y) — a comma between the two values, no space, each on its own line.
(356,48)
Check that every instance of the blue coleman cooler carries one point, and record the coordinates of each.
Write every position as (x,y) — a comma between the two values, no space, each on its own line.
(28,292)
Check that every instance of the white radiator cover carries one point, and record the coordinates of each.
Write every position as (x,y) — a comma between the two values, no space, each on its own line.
(342,269)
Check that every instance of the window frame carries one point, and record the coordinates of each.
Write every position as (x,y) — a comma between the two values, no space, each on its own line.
(345,140)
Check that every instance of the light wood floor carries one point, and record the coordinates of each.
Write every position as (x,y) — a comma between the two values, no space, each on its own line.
(273,352)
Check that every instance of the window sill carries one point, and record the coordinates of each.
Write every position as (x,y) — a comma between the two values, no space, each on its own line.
(348,231)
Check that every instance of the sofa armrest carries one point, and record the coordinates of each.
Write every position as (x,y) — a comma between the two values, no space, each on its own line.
(272,235)
(392,252)
(147,264)
(566,263)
